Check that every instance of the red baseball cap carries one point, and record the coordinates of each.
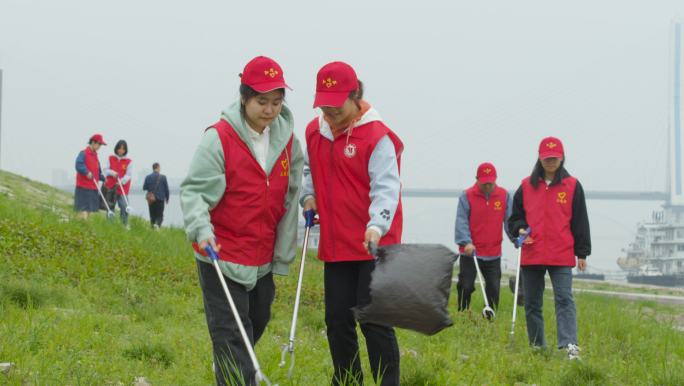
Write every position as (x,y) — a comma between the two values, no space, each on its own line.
(263,75)
(486,173)
(334,82)
(551,147)
(98,138)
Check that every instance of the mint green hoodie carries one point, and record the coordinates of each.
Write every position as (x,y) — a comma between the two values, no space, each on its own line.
(205,184)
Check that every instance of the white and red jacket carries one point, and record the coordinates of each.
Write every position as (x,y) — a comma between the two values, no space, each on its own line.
(557,216)
(344,189)
(487,216)
(120,166)
(245,219)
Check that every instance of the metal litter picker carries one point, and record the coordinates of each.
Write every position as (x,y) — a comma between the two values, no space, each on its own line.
(97,187)
(487,309)
(129,210)
(259,374)
(520,241)
(289,348)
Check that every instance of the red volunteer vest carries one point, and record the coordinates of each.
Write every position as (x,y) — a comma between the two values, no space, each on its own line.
(246,217)
(339,171)
(93,166)
(548,210)
(486,220)
(119,166)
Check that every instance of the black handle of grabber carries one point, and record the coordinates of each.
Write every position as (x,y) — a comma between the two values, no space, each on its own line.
(309,217)
(520,239)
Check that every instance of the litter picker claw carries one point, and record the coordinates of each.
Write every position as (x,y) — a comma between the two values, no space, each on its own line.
(289,347)
(259,374)
(109,211)
(487,311)
(129,210)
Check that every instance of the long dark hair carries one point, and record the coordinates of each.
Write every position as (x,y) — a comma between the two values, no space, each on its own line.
(118,145)
(539,172)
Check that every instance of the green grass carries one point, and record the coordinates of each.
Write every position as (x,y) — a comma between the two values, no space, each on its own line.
(93,304)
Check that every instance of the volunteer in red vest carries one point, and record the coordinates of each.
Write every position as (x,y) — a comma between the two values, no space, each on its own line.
(351,179)
(88,172)
(118,167)
(481,219)
(242,188)
(552,204)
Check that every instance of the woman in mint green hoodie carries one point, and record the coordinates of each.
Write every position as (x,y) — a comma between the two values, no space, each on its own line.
(242,189)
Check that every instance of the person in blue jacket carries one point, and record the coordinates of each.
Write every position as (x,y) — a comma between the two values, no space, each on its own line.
(157,184)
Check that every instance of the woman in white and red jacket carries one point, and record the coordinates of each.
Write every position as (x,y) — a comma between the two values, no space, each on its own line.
(118,167)
(552,204)
(351,179)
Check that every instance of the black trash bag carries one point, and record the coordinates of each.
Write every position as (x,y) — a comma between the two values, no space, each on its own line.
(111,196)
(410,287)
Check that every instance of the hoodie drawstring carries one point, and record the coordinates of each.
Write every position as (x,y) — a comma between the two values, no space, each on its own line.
(351,128)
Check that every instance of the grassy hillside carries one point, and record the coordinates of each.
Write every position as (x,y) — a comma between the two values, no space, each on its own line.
(94,304)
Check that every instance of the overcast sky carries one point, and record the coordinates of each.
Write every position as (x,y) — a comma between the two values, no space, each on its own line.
(461,82)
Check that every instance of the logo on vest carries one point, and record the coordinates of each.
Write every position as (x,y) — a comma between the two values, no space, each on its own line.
(271,73)
(497,205)
(124,166)
(561,198)
(286,172)
(350,150)
(329,82)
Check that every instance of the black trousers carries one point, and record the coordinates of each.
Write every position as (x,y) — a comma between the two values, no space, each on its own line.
(157,212)
(230,353)
(491,273)
(347,284)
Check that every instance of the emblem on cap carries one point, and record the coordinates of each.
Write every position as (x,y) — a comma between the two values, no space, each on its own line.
(272,73)
(487,170)
(350,150)
(328,82)
(551,145)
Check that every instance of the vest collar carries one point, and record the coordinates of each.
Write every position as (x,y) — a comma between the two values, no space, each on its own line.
(478,192)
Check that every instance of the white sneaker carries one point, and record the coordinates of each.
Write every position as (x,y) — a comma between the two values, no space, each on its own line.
(156,227)
(573,352)
(128,227)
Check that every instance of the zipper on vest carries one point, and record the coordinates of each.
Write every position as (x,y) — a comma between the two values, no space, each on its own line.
(486,238)
(332,237)
(546,215)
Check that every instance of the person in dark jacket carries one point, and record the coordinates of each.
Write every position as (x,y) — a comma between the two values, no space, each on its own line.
(86,196)
(551,203)
(156,183)
(481,219)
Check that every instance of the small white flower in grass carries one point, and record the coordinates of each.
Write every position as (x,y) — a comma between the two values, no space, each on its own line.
(305,328)
(415,354)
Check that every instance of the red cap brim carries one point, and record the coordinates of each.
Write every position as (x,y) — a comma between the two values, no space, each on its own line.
(104,143)
(486,180)
(269,86)
(330,98)
(549,154)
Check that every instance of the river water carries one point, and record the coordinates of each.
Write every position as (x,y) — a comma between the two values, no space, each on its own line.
(431,220)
